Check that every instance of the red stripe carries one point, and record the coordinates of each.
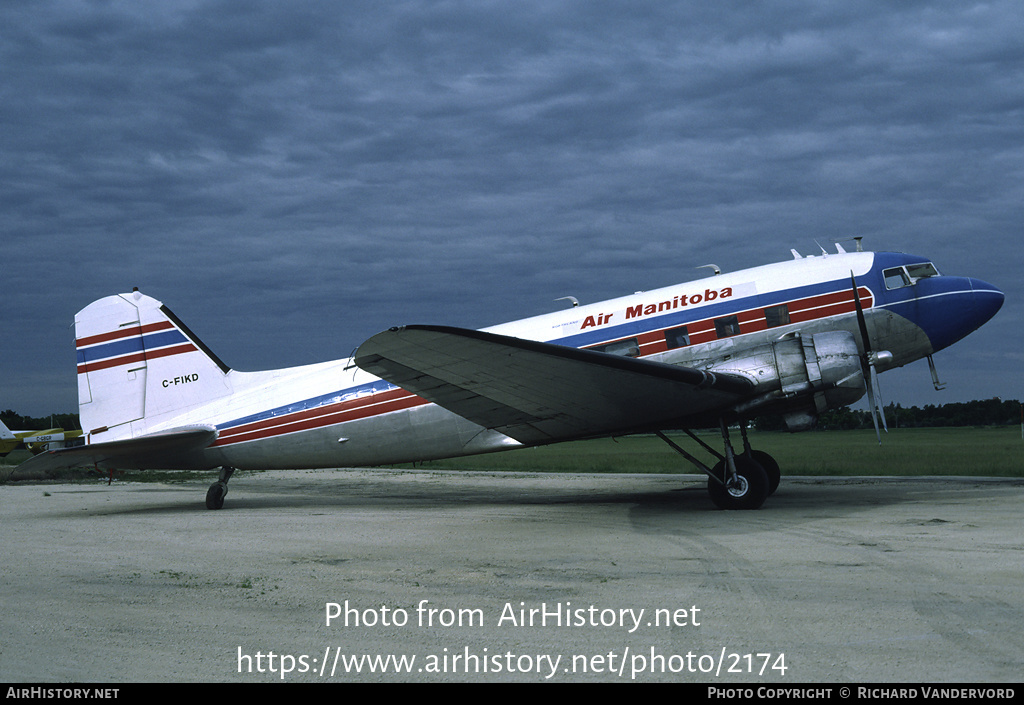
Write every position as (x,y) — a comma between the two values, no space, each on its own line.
(298,416)
(753,320)
(123,333)
(115,362)
(136,357)
(320,418)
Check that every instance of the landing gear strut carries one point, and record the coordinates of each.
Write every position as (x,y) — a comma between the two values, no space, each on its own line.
(737,481)
(219,489)
(767,462)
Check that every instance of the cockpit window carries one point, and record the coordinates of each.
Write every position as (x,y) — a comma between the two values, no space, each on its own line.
(895,278)
(921,271)
(898,277)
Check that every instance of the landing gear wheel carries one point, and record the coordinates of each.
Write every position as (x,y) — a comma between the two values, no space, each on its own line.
(747,490)
(215,495)
(771,469)
(219,489)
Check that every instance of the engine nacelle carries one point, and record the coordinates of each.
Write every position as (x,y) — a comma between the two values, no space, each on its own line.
(799,376)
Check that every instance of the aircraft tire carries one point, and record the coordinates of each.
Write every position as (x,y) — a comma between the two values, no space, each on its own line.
(215,496)
(771,469)
(749,491)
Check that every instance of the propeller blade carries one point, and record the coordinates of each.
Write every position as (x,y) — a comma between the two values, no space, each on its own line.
(874,406)
(878,396)
(868,365)
(861,320)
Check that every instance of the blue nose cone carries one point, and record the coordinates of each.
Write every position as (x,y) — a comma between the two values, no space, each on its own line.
(960,307)
(987,300)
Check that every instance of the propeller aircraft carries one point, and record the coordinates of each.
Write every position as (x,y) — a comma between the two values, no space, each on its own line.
(795,338)
(35,441)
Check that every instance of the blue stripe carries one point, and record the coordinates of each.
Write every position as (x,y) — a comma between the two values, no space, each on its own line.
(338,397)
(681,317)
(129,346)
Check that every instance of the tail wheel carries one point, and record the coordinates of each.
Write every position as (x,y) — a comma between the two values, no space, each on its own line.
(215,495)
(747,490)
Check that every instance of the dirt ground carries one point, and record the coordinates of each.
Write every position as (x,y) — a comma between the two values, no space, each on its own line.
(370,575)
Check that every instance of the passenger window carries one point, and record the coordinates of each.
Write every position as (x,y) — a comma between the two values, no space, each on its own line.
(895,278)
(776,316)
(626,348)
(728,326)
(677,337)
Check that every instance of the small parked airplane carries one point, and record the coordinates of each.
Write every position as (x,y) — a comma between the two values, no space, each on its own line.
(794,338)
(35,441)
(9,441)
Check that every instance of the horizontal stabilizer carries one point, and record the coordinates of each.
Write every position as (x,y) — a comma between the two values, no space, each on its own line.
(540,392)
(176,448)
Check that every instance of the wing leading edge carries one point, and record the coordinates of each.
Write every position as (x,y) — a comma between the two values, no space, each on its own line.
(540,392)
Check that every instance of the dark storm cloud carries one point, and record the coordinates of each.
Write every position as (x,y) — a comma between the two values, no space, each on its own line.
(291,178)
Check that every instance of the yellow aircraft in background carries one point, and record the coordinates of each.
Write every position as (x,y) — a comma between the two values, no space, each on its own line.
(35,441)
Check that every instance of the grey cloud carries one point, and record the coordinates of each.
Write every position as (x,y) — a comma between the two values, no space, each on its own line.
(316,172)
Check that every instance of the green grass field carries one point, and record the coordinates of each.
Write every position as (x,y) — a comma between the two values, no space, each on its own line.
(997,452)
(990,452)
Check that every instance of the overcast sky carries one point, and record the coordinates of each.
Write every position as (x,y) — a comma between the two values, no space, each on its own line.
(291,178)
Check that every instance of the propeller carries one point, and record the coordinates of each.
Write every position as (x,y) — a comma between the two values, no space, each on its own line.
(868,361)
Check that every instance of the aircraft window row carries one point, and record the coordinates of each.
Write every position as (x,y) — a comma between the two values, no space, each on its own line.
(626,348)
(898,277)
(727,326)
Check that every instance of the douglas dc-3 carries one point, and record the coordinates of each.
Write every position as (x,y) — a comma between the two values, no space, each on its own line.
(794,338)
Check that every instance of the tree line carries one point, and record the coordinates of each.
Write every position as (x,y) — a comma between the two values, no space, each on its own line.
(987,412)
(17,422)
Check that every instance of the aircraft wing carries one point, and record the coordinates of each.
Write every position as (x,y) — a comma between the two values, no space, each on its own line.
(166,449)
(540,392)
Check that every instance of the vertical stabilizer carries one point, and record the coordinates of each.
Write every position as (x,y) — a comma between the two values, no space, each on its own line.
(8,441)
(5,433)
(138,364)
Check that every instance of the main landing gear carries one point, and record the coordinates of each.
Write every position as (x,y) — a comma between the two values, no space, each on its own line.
(737,481)
(219,489)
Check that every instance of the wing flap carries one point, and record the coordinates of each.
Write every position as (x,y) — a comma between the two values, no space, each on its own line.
(175,448)
(540,392)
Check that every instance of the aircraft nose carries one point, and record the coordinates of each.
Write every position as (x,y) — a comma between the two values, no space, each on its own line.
(963,306)
(987,300)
